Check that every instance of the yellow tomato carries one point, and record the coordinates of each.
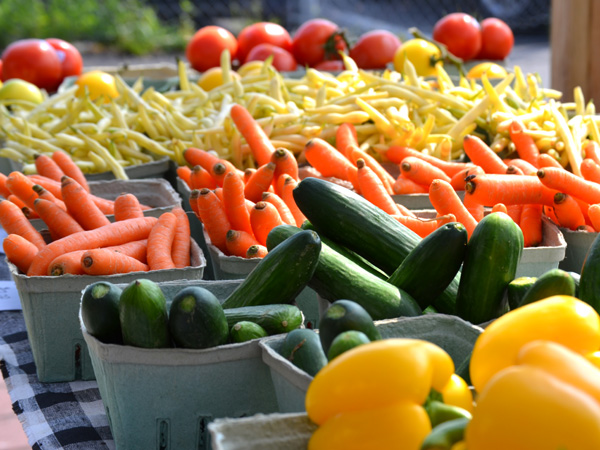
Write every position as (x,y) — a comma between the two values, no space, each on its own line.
(492,70)
(16,89)
(213,78)
(421,53)
(99,84)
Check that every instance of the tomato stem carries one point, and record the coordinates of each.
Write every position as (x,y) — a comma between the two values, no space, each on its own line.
(446,56)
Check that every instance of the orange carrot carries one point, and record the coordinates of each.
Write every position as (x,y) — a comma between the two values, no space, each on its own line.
(284,212)
(326,159)
(459,179)
(442,220)
(135,249)
(184,172)
(500,207)
(421,172)
(198,157)
(14,221)
(59,222)
(238,242)
(264,217)
(107,206)
(234,203)
(475,209)
(489,189)
(515,211)
(180,252)
(567,211)
(69,263)
(201,178)
(423,227)
(564,181)
(4,191)
(482,155)
(160,243)
(17,201)
(404,185)
(259,182)
(81,206)
(50,185)
(526,167)
(524,143)
(404,210)
(285,162)
(545,160)
(590,170)
(548,211)
(30,214)
(101,261)
(248,173)
(219,193)
(345,136)
(531,225)
(584,206)
(352,177)
(22,187)
(397,154)
(257,251)
(255,136)
(386,178)
(19,251)
(372,188)
(514,170)
(220,169)
(194,201)
(594,214)
(592,150)
(445,200)
(47,195)
(287,196)
(70,169)
(47,167)
(127,206)
(212,214)
(112,234)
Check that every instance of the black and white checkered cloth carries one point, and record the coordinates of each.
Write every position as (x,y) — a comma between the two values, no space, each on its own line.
(54,415)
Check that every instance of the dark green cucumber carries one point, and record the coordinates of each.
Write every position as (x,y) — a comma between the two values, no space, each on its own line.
(197,320)
(143,315)
(336,277)
(352,221)
(576,278)
(430,310)
(445,303)
(446,434)
(100,311)
(551,282)
(275,319)
(246,331)
(344,315)
(430,267)
(280,276)
(590,274)
(302,348)
(493,254)
(516,290)
(345,341)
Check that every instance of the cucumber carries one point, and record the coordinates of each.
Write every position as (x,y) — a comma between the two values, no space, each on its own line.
(280,276)
(143,315)
(275,319)
(576,278)
(430,267)
(246,331)
(345,341)
(197,320)
(590,274)
(336,277)
(491,260)
(302,348)
(352,221)
(552,282)
(516,290)
(439,412)
(445,303)
(446,434)
(100,311)
(345,315)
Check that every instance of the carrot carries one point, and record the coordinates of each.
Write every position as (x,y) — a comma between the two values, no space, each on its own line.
(287,196)
(587,228)
(514,170)
(19,251)
(30,214)
(594,214)
(284,212)
(69,263)
(238,242)
(526,168)
(219,193)
(112,234)
(396,154)
(590,170)
(50,185)
(567,211)
(372,188)
(404,210)
(197,157)
(259,182)
(135,249)
(564,181)
(285,162)
(248,173)
(249,205)
(184,172)
(220,169)
(70,169)
(14,221)
(499,207)
(385,177)
(22,187)
(584,206)
(352,176)
(193,200)
(47,167)
(489,189)
(423,227)
(81,206)
(101,261)
(127,206)
(475,209)
(59,222)
(592,150)
(47,195)
(160,243)
(255,136)
(326,159)
(345,135)
(180,252)
(459,179)
(17,201)
(548,211)
(107,206)
(212,214)
(545,160)
(531,225)
(524,143)
(264,217)
(257,251)
(442,220)
(4,191)
(445,200)
(482,155)
(201,178)
(403,185)
(421,172)
(515,211)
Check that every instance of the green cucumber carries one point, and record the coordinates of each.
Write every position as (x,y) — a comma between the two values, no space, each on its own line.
(344,315)
(430,267)
(551,282)
(302,348)
(439,412)
(281,275)
(446,434)
(445,303)
(246,331)
(576,278)
(590,274)
(345,341)
(100,311)
(336,277)
(491,261)
(143,315)
(516,290)
(197,320)
(275,319)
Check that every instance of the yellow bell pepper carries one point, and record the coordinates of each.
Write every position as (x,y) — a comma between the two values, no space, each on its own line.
(594,358)
(457,393)
(562,319)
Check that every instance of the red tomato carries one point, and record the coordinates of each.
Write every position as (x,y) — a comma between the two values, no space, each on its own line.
(375,49)
(332,65)
(317,40)
(69,56)
(262,33)
(204,49)
(32,60)
(282,59)
(497,39)
(461,33)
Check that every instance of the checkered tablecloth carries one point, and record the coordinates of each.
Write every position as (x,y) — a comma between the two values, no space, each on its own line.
(54,415)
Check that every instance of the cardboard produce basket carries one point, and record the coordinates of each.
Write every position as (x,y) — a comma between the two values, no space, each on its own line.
(165,398)
(451,333)
(418,201)
(578,244)
(51,306)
